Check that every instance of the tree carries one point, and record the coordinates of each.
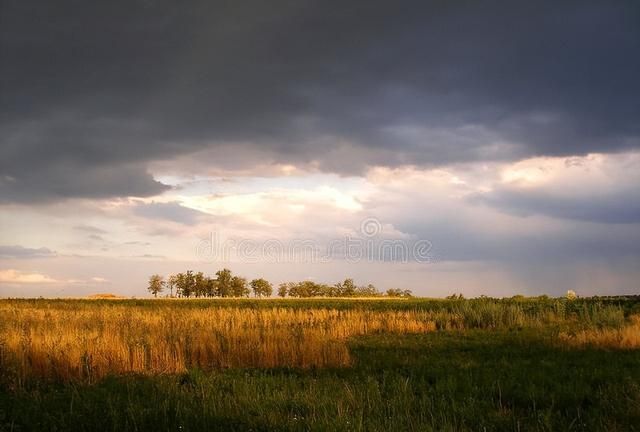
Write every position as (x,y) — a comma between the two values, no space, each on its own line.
(325,290)
(331,290)
(156,284)
(190,284)
(185,284)
(223,283)
(297,289)
(313,289)
(367,291)
(346,288)
(239,287)
(179,284)
(283,289)
(199,284)
(171,283)
(261,287)
(395,292)
(212,287)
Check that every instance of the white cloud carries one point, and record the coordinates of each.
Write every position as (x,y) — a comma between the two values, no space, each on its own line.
(599,188)
(98,279)
(19,277)
(12,276)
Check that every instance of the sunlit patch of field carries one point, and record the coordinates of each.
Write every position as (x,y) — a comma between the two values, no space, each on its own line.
(106,296)
(93,342)
(626,337)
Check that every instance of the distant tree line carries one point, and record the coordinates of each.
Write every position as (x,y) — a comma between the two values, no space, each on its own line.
(225,284)
(342,289)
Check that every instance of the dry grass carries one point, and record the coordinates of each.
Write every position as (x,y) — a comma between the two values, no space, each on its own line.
(91,342)
(626,337)
(88,340)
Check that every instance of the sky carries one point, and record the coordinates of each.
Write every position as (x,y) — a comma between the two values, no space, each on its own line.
(439,146)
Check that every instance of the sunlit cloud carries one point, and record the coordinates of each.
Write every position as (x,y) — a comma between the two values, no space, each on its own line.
(12,276)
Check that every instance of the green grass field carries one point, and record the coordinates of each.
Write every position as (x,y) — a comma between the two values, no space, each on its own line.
(492,373)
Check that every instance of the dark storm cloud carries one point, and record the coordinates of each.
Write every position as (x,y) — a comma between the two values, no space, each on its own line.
(620,207)
(67,156)
(456,241)
(91,91)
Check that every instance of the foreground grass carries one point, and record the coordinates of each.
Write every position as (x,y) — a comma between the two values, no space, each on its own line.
(470,380)
(486,364)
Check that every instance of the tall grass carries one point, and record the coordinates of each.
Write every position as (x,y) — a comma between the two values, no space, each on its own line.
(626,337)
(90,339)
(93,342)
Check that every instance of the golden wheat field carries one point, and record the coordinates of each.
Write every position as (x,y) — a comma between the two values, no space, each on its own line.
(91,339)
(93,342)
